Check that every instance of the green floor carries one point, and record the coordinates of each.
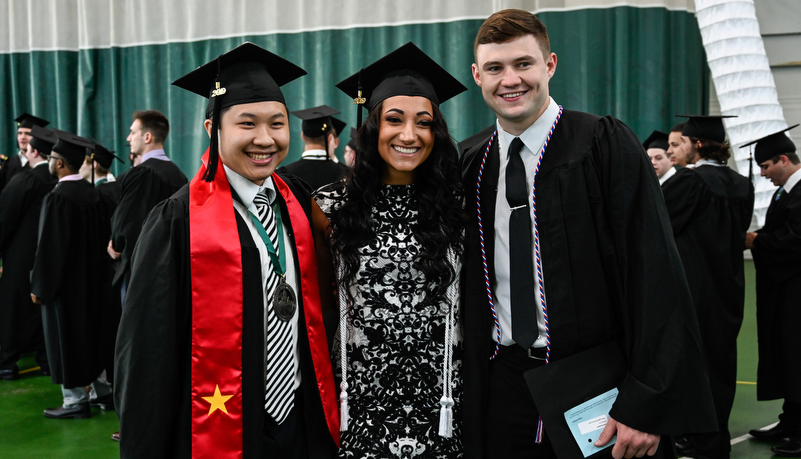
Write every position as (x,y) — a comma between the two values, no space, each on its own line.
(25,433)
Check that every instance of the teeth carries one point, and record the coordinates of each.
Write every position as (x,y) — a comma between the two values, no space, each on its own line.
(406,150)
(514,94)
(259,157)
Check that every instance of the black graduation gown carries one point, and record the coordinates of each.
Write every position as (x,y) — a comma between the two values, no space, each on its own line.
(10,168)
(20,204)
(710,210)
(69,268)
(153,364)
(110,196)
(141,188)
(777,257)
(315,172)
(612,273)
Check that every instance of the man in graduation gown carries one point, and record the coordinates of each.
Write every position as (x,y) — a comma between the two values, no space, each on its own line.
(607,267)
(17,162)
(776,248)
(196,368)
(20,203)
(70,263)
(142,187)
(95,169)
(710,207)
(656,146)
(320,131)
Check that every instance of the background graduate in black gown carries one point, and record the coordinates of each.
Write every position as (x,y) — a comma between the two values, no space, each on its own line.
(20,204)
(153,180)
(776,248)
(710,208)
(610,266)
(200,259)
(17,161)
(70,264)
(320,132)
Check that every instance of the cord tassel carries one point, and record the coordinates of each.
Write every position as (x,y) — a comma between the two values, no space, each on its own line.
(446,417)
(343,407)
(538,439)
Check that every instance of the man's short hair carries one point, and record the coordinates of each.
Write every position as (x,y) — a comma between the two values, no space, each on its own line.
(507,25)
(679,127)
(154,122)
(792,157)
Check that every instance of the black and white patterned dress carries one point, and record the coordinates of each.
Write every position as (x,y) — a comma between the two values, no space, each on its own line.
(395,345)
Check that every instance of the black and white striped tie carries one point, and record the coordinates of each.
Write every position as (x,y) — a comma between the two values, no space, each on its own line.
(279,397)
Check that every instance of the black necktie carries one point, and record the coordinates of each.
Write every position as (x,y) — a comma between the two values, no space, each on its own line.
(524,314)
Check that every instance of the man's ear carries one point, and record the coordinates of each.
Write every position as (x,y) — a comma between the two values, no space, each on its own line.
(476,75)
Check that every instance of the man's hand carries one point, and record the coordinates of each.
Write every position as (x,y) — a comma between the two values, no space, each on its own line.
(35,299)
(749,240)
(113,253)
(630,442)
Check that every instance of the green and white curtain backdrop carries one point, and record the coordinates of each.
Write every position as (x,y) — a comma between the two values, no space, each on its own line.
(86,65)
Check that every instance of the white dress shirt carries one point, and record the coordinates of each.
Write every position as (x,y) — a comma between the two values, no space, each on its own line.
(533,139)
(792,181)
(247,191)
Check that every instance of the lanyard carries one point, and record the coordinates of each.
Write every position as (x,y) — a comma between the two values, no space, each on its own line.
(279,259)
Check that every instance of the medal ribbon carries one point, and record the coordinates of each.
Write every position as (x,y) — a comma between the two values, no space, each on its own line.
(279,261)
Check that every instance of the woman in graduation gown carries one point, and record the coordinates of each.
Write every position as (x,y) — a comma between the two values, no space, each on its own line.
(192,350)
(397,223)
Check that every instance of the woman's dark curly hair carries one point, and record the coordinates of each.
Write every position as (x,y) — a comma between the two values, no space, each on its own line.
(438,193)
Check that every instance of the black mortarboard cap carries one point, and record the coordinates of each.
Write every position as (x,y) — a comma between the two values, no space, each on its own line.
(709,127)
(102,155)
(407,71)
(43,139)
(772,145)
(26,120)
(243,75)
(339,125)
(352,142)
(317,121)
(72,147)
(657,139)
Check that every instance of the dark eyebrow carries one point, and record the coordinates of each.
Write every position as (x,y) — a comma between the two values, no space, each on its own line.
(254,116)
(394,110)
(424,112)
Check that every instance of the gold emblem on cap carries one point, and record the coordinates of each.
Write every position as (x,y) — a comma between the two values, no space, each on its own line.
(325,126)
(219,91)
(360,100)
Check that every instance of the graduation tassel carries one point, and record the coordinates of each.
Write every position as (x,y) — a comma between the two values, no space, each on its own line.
(751,165)
(359,101)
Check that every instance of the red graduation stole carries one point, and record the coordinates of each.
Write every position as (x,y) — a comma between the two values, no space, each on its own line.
(216,275)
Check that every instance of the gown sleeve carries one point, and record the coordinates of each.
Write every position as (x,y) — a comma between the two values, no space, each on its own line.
(664,390)
(154,340)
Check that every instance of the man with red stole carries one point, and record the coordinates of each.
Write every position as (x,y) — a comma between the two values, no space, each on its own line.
(221,351)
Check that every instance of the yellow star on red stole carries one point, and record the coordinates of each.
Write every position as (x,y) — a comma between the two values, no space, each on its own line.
(217,401)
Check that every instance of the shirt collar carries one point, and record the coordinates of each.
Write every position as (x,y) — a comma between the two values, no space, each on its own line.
(667,175)
(155,154)
(22,158)
(248,190)
(708,162)
(315,155)
(534,136)
(71,178)
(792,180)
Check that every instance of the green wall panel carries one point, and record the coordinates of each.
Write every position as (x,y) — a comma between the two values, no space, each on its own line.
(642,65)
